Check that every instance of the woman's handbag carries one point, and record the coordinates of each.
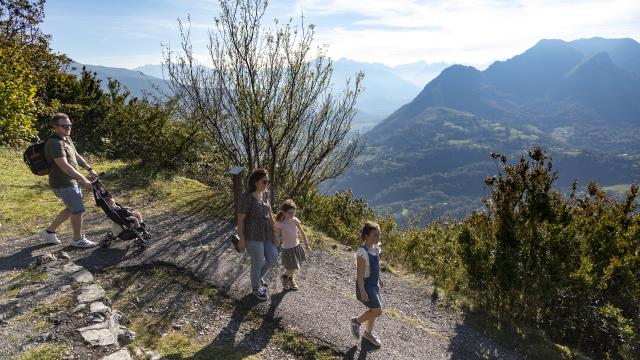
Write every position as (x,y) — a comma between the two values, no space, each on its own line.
(235,240)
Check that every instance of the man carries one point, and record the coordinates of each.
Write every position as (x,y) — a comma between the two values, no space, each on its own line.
(64,178)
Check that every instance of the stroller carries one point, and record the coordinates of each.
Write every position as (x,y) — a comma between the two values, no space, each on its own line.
(122,228)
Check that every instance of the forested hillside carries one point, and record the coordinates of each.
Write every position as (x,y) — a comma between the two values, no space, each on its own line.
(577,99)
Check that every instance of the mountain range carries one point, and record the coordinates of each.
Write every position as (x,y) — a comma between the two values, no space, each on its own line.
(137,82)
(579,99)
(386,88)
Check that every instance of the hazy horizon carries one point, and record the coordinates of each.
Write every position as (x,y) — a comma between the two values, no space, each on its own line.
(391,32)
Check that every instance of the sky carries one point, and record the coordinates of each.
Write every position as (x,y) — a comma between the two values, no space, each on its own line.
(129,33)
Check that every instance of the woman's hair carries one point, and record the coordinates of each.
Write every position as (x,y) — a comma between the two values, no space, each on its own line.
(286,206)
(367,228)
(255,176)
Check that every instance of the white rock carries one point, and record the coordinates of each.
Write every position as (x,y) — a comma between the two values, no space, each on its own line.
(80,307)
(98,307)
(98,335)
(69,268)
(90,293)
(77,273)
(123,354)
(102,334)
(120,316)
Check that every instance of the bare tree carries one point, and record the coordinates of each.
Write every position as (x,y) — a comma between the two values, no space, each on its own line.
(265,101)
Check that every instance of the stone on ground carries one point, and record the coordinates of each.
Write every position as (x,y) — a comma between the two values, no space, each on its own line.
(122,354)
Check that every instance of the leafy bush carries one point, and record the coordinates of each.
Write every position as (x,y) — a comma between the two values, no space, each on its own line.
(17,110)
(569,266)
(565,265)
(340,215)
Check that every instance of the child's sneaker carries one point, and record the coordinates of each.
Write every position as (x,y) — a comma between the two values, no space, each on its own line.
(50,238)
(260,294)
(374,340)
(293,285)
(83,243)
(355,327)
(285,282)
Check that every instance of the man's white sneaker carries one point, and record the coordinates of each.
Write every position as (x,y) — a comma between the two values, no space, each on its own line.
(83,243)
(50,238)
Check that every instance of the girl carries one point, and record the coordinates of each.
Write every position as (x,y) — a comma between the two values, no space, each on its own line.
(368,281)
(255,229)
(292,253)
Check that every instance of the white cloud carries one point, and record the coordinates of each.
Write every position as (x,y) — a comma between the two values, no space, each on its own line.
(401,31)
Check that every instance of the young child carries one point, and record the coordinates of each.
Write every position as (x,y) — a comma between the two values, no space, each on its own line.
(368,282)
(134,217)
(286,227)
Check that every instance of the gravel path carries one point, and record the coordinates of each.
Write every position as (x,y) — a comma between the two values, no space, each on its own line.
(412,327)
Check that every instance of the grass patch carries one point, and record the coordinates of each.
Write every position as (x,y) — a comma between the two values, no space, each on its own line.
(11,293)
(26,278)
(27,204)
(55,306)
(299,346)
(225,351)
(318,239)
(44,352)
(147,288)
(534,344)
(177,346)
(149,331)
(26,201)
(413,321)
(41,324)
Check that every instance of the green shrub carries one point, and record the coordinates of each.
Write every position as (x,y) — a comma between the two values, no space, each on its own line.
(17,92)
(567,266)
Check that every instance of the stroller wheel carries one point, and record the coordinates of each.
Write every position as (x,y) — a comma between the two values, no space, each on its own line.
(146,236)
(105,243)
(140,242)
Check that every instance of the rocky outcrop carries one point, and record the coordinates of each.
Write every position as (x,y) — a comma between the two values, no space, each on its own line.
(108,328)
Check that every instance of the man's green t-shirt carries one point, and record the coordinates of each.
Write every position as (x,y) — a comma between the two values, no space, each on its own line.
(54,148)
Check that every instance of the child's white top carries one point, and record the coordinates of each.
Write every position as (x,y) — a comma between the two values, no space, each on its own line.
(363,254)
(289,232)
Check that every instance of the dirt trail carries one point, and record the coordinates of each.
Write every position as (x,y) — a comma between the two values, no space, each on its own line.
(413,326)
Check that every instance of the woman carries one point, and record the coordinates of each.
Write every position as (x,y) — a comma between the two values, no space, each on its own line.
(255,228)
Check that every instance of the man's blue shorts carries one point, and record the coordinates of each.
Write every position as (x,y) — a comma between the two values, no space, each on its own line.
(71,196)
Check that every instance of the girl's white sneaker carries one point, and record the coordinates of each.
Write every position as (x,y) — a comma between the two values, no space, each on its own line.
(374,340)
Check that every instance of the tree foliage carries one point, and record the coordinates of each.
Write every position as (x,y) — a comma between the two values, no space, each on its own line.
(265,102)
(28,66)
(566,265)
(569,266)
(17,92)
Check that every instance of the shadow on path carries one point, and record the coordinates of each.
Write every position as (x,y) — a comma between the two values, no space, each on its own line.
(364,350)
(20,259)
(254,341)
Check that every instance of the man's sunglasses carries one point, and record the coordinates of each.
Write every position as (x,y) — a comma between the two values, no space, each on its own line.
(66,126)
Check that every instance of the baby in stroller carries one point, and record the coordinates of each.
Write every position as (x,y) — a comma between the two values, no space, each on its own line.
(127,224)
(134,218)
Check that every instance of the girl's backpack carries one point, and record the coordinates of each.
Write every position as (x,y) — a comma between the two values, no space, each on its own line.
(35,159)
